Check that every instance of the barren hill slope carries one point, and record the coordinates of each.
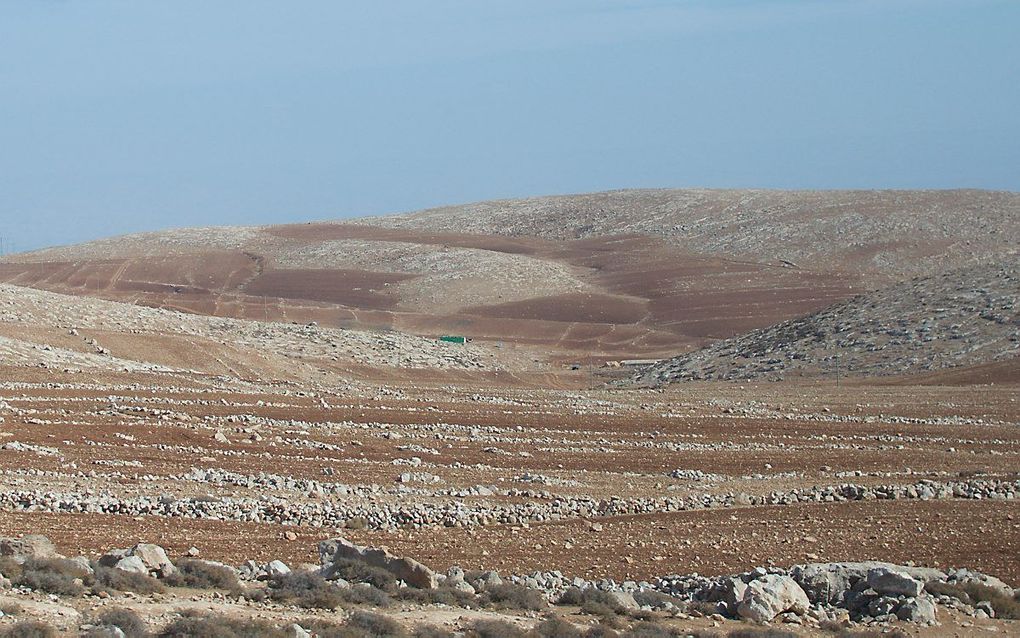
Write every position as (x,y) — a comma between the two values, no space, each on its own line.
(610,275)
(965,317)
(891,234)
(51,330)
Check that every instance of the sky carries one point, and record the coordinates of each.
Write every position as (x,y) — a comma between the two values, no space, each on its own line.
(133,115)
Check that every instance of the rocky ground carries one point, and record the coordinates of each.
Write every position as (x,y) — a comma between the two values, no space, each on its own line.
(628,485)
(237,429)
(898,234)
(961,318)
(355,590)
(67,332)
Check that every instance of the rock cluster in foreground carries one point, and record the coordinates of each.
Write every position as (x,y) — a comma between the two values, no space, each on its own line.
(845,593)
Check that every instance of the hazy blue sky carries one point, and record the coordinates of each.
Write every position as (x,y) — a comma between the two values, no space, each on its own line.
(118,116)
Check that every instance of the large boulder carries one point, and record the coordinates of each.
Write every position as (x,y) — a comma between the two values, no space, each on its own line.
(155,559)
(132,565)
(152,559)
(625,600)
(771,595)
(894,582)
(28,546)
(455,580)
(406,569)
(832,583)
(730,592)
(918,610)
(277,569)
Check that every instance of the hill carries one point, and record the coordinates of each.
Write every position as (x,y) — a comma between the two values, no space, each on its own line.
(967,317)
(608,275)
(62,332)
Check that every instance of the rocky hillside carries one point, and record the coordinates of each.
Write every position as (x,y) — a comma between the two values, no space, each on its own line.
(896,234)
(965,317)
(45,329)
(627,274)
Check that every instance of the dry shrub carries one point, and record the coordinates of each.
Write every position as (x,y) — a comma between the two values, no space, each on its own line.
(201,626)
(306,590)
(28,629)
(52,575)
(602,630)
(557,628)
(202,575)
(376,625)
(10,609)
(507,596)
(703,607)
(124,619)
(494,629)
(972,593)
(431,631)
(365,594)
(111,579)
(358,572)
(765,632)
(592,601)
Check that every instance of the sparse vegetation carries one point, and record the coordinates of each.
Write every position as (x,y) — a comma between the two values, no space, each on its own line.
(51,575)
(10,608)
(376,625)
(508,596)
(124,619)
(214,626)
(28,629)
(359,572)
(201,574)
(760,632)
(557,628)
(110,579)
(431,631)
(306,590)
(495,629)
(592,601)
(972,593)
